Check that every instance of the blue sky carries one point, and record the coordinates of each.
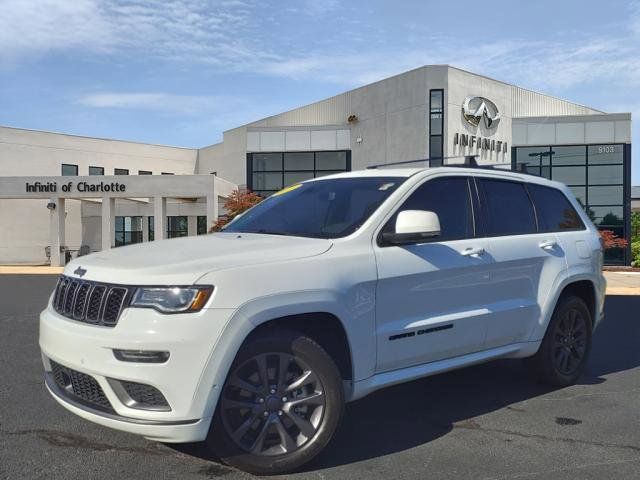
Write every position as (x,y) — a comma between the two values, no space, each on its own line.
(180,72)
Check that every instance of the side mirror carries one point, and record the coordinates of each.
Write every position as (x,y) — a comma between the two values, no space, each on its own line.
(413,226)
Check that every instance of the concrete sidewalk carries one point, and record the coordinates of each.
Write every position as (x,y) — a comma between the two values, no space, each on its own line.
(618,283)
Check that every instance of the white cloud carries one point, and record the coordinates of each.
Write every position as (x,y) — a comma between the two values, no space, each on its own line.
(236,36)
(161,102)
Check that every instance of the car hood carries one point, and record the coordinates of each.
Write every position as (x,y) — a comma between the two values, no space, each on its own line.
(182,261)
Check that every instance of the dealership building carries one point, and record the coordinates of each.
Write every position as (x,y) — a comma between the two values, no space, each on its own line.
(63,195)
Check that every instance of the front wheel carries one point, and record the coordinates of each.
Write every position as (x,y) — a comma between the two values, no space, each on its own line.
(565,348)
(280,405)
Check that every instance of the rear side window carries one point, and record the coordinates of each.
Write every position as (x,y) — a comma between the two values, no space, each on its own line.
(448,197)
(507,208)
(555,213)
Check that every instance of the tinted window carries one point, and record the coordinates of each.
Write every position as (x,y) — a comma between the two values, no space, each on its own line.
(68,169)
(554,211)
(321,209)
(508,210)
(96,171)
(120,171)
(447,197)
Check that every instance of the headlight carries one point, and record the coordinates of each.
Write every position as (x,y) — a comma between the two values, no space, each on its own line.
(172,299)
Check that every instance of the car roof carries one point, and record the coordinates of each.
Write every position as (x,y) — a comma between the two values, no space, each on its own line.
(425,172)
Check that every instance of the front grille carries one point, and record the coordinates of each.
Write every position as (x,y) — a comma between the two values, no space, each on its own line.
(91,302)
(144,395)
(80,386)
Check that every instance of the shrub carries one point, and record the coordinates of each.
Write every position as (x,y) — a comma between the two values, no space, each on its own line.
(635,253)
(611,240)
(238,202)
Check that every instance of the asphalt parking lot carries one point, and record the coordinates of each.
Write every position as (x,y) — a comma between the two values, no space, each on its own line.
(485,422)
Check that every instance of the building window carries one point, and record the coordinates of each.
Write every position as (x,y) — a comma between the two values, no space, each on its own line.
(121,171)
(96,170)
(269,172)
(69,170)
(144,172)
(151,232)
(596,176)
(128,230)
(202,224)
(177,226)
(436,126)
(167,173)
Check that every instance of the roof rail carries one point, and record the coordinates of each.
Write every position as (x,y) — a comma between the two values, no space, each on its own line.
(469,161)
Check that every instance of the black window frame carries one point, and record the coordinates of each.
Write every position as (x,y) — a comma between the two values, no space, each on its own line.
(473,206)
(145,172)
(119,171)
(172,232)
(441,112)
(135,235)
(68,165)
(97,168)
(283,171)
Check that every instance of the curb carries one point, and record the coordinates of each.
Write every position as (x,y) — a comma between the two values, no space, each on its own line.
(27,270)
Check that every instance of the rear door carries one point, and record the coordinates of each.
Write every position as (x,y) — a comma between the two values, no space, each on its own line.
(431,297)
(526,259)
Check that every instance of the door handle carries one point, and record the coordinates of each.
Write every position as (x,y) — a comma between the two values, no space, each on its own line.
(548,244)
(472,252)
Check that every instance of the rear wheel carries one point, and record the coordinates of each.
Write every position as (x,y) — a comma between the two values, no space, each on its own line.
(565,348)
(280,405)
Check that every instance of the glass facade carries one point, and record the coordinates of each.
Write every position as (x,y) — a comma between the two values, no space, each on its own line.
(202,224)
(177,226)
(596,174)
(436,126)
(269,172)
(128,230)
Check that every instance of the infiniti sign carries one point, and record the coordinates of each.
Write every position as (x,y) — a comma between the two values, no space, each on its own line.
(476,108)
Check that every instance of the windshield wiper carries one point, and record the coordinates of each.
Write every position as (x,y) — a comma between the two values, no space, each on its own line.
(270,232)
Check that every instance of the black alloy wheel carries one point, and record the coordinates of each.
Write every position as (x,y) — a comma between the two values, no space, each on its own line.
(280,405)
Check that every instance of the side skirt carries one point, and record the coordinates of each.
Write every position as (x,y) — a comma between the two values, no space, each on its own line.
(362,388)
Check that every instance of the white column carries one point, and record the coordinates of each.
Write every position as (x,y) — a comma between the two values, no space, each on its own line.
(108,223)
(212,209)
(56,230)
(192,225)
(159,218)
(145,228)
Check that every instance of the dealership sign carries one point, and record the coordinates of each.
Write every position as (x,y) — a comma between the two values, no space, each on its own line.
(476,109)
(482,143)
(52,187)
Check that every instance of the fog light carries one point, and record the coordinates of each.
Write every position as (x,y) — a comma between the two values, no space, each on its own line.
(141,356)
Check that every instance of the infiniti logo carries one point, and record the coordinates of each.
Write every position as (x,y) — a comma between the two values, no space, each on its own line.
(80,271)
(476,108)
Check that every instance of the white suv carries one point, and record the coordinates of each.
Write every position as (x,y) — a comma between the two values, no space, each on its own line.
(254,338)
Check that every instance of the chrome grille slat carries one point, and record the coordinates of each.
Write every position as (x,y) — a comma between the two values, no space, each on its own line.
(90,302)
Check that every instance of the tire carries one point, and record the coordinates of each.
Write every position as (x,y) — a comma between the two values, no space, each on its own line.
(565,348)
(278,425)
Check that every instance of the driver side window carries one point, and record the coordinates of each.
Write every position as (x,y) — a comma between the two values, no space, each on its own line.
(449,198)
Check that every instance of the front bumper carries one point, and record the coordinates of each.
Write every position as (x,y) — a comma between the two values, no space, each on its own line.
(88,349)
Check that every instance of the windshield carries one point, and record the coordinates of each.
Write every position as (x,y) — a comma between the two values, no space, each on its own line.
(329,208)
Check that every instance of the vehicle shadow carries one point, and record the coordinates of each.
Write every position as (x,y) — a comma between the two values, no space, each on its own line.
(415,413)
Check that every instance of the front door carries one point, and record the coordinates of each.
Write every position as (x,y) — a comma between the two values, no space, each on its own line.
(431,297)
